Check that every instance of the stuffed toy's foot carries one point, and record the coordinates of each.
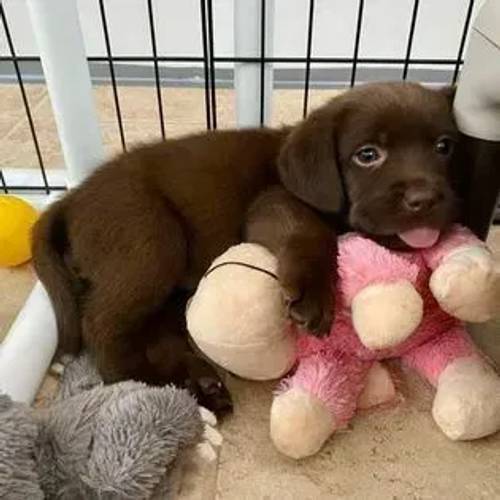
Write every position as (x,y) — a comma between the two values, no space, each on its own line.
(385,314)
(467,402)
(300,423)
(467,284)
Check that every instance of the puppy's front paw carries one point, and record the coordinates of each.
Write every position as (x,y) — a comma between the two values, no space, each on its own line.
(467,285)
(311,312)
(207,386)
(309,300)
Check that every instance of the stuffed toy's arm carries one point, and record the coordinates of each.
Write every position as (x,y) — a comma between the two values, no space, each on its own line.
(465,279)
(458,239)
(378,286)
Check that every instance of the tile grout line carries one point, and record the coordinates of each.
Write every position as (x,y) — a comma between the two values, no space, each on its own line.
(21,119)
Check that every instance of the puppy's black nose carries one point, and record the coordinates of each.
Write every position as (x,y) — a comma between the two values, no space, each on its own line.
(418,199)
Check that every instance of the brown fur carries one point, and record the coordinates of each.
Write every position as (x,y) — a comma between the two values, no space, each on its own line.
(120,254)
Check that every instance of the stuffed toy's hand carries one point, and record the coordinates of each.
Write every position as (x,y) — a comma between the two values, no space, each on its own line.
(378,286)
(467,284)
(385,314)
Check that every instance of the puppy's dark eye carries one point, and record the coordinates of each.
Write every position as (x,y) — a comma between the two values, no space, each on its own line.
(369,156)
(443,146)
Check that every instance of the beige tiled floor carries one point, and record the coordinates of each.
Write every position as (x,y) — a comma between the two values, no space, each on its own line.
(396,453)
(184,111)
(15,286)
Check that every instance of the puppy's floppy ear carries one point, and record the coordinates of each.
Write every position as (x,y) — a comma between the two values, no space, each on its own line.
(308,164)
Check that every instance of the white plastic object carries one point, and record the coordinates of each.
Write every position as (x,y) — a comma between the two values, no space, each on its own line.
(60,41)
(247,76)
(28,349)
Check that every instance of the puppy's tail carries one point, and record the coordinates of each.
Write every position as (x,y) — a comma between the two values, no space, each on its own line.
(49,245)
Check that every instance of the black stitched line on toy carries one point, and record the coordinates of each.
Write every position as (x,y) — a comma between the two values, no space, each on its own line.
(242,264)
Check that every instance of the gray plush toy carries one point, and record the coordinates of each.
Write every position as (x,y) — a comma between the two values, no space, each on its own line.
(96,442)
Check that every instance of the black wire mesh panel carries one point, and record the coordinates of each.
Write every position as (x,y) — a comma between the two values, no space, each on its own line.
(208,59)
(3,183)
(461,47)
(107,42)
(411,34)
(357,38)
(211,62)
(262,59)
(15,61)
(156,68)
(310,25)
(206,64)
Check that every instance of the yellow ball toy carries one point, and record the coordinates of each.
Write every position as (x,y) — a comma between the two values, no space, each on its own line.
(16,220)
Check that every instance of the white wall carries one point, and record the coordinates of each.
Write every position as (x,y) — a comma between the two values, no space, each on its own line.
(385,27)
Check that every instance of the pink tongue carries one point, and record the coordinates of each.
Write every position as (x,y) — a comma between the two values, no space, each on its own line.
(422,237)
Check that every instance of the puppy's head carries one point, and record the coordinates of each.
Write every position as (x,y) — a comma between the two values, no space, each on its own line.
(382,150)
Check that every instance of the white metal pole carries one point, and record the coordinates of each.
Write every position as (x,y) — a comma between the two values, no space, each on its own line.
(28,349)
(62,52)
(247,76)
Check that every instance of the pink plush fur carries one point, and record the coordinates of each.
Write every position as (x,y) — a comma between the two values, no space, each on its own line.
(334,368)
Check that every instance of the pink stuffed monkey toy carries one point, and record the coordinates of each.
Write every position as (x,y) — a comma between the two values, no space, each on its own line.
(390,304)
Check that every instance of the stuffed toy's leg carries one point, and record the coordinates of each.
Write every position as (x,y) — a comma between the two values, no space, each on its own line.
(318,399)
(379,387)
(467,401)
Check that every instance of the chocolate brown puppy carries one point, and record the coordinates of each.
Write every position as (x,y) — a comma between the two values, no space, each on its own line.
(120,254)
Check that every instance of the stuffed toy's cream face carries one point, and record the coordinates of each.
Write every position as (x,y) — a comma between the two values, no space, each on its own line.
(237,316)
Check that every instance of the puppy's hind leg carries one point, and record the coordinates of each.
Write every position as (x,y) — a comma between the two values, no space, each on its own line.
(173,359)
(146,259)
